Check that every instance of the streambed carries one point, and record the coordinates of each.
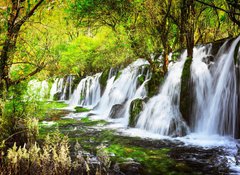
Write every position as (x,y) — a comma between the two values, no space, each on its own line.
(138,154)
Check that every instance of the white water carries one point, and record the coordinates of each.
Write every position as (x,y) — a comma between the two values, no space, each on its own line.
(216,93)
(62,86)
(123,90)
(88,92)
(57,87)
(67,87)
(161,114)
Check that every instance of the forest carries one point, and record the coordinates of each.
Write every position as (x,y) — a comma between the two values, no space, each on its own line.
(119,87)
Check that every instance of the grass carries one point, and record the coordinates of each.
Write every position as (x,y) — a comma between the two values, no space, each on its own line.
(81,109)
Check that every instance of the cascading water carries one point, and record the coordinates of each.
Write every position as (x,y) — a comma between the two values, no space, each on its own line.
(161,114)
(67,88)
(88,92)
(57,87)
(62,87)
(216,93)
(122,90)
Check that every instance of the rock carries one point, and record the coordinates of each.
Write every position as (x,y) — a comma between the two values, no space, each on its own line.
(208,59)
(154,83)
(117,111)
(118,75)
(141,79)
(136,107)
(103,79)
(57,96)
(186,95)
(131,167)
(178,128)
(237,66)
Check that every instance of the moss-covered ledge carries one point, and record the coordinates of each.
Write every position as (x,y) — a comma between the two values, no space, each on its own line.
(186,99)
(136,107)
(154,84)
(103,79)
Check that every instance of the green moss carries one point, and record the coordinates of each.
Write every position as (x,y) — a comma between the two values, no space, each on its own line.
(103,79)
(154,84)
(51,110)
(88,122)
(185,96)
(81,109)
(155,161)
(54,105)
(236,53)
(135,109)
(141,79)
(118,75)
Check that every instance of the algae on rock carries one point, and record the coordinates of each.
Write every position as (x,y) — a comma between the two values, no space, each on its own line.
(136,107)
(186,98)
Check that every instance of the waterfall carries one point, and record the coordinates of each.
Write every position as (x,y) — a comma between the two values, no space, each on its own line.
(62,87)
(122,90)
(216,93)
(161,114)
(88,92)
(57,88)
(67,88)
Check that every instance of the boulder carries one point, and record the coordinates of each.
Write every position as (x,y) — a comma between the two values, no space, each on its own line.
(136,107)
(186,95)
(117,111)
(57,96)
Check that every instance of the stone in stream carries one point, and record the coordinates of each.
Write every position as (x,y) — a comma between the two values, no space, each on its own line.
(130,167)
(136,107)
(117,111)
(57,96)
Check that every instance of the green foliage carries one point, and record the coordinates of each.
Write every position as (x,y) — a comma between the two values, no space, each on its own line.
(81,109)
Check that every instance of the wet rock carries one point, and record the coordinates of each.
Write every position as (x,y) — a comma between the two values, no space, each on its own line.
(131,167)
(117,111)
(136,107)
(153,84)
(57,96)
(103,79)
(178,128)
(208,59)
(186,95)
(118,75)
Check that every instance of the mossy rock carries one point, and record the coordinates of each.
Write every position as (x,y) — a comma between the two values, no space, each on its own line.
(79,109)
(117,111)
(154,84)
(236,53)
(119,73)
(75,82)
(136,107)
(186,98)
(57,96)
(103,79)
(141,79)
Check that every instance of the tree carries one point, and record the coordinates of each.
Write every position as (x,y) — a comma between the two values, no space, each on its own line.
(232,9)
(17,14)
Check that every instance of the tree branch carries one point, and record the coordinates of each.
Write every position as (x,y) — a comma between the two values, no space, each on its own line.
(38,69)
(30,13)
(213,6)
